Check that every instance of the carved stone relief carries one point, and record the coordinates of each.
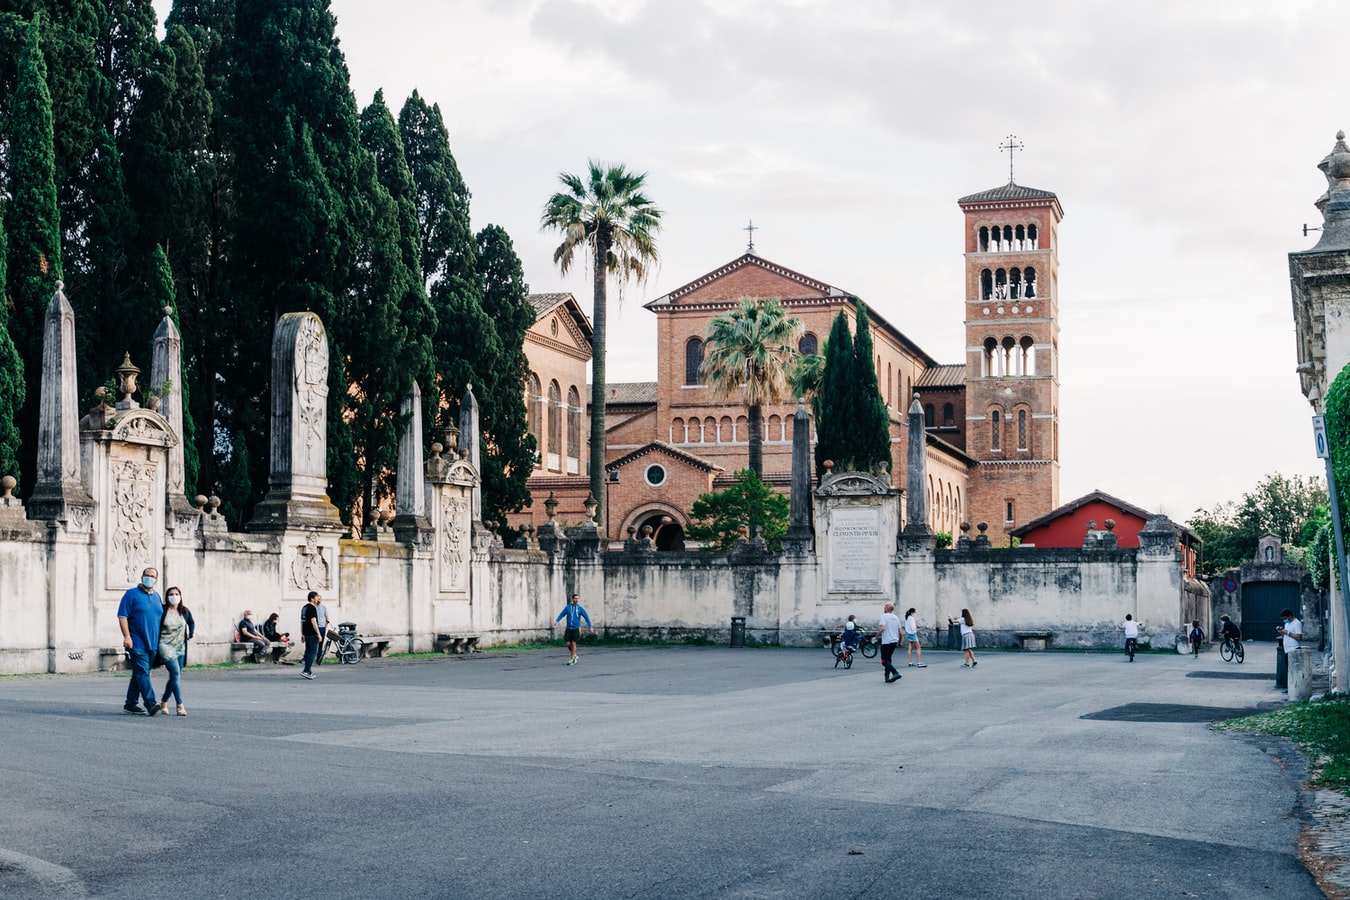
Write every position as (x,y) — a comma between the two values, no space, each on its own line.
(311,391)
(310,568)
(130,544)
(454,550)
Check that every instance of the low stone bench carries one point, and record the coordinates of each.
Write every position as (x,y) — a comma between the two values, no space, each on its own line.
(1034,640)
(375,647)
(456,643)
(243,651)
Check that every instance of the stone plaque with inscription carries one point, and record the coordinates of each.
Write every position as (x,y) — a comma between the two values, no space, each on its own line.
(855,550)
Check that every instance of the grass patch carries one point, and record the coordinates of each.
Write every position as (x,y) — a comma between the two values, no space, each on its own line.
(1320,728)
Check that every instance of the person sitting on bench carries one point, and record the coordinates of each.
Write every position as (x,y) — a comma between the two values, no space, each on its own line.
(251,633)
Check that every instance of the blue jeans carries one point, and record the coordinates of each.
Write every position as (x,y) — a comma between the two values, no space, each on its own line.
(312,645)
(175,669)
(140,685)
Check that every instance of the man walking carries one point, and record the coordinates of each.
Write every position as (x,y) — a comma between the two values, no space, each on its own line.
(310,631)
(139,615)
(574,612)
(889,632)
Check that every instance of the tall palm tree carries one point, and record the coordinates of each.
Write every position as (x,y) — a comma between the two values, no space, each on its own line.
(752,348)
(608,213)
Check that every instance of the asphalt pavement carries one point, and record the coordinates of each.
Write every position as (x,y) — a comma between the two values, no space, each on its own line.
(657,772)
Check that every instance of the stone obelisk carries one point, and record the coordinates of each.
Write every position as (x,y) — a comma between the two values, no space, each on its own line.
(797,541)
(166,377)
(58,493)
(410,522)
(297,496)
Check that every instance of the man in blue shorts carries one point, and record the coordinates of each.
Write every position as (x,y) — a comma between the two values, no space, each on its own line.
(139,615)
(574,612)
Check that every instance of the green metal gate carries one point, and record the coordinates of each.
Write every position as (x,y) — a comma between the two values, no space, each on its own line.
(1262,602)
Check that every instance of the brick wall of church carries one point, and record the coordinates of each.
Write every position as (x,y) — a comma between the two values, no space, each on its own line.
(1032,487)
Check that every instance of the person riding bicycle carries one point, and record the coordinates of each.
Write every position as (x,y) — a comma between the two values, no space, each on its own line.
(1229,629)
(848,640)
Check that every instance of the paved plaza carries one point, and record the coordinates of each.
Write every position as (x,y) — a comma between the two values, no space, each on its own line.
(653,772)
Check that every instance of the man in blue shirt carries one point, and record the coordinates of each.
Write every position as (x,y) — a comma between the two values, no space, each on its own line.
(575,612)
(139,616)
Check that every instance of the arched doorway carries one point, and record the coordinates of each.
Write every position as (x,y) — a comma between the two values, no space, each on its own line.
(667,533)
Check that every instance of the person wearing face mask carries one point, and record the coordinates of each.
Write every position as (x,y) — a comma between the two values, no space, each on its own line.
(139,615)
(173,636)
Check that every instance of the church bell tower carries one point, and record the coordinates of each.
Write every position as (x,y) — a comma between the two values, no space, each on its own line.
(1012,354)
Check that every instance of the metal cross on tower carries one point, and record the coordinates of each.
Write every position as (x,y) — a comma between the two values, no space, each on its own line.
(750,230)
(1011,144)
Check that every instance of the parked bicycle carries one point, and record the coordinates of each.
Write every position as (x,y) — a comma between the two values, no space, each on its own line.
(1231,649)
(348,648)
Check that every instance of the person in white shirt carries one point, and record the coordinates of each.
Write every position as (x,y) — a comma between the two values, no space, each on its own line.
(1291,631)
(889,632)
(1131,629)
(912,638)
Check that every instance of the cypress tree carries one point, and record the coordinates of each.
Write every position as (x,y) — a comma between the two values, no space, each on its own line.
(508,447)
(12,388)
(394,345)
(833,401)
(32,224)
(871,433)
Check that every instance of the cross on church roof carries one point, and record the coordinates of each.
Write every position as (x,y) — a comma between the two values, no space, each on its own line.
(750,230)
(1011,144)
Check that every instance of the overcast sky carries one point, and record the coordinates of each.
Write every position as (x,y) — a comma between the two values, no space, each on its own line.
(1181,138)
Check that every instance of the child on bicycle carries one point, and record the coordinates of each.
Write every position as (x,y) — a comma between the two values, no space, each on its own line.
(1229,629)
(848,640)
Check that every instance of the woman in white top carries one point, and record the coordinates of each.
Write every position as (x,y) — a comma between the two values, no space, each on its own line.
(912,638)
(967,637)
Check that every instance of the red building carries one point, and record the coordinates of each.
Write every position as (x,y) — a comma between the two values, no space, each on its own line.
(1070,524)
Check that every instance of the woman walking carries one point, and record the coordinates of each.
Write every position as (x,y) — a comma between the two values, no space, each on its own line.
(173,638)
(967,637)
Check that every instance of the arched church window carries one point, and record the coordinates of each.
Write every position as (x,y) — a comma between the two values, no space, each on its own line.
(808,345)
(1010,361)
(928,415)
(948,414)
(1030,277)
(1007,237)
(1020,235)
(984,239)
(554,425)
(1028,355)
(573,427)
(994,442)
(678,434)
(1032,240)
(1022,429)
(1001,284)
(987,285)
(990,360)
(693,361)
(532,398)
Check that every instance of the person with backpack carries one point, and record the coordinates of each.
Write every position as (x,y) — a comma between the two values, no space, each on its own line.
(1197,637)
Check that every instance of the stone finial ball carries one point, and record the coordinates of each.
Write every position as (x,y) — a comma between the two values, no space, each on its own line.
(965,526)
(8,483)
(983,526)
(199,501)
(436,448)
(828,464)
(214,503)
(1110,524)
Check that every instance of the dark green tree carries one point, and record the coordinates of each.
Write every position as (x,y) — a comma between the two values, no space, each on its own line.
(1277,505)
(237,493)
(871,437)
(607,216)
(508,447)
(394,347)
(32,224)
(12,387)
(833,400)
(749,502)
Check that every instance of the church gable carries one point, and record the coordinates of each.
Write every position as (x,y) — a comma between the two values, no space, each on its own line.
(560,323)
(748,276)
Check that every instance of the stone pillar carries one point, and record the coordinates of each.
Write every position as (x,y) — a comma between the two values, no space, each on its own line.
(1300,674)
(917,537)
(1158,579)
(411,524)
(58,494)
(297,496)
(166,367)
(798,540)
(468,442)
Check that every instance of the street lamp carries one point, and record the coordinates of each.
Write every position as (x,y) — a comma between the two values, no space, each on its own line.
(613,480)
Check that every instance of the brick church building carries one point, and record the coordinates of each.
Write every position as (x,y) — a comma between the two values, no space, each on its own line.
(992,420)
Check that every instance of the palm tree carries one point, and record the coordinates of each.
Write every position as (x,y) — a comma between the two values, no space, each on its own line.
(609,214)
(752,348)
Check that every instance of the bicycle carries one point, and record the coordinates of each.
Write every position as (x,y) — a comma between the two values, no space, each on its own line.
(868,645)
(1231,648)
(348,648)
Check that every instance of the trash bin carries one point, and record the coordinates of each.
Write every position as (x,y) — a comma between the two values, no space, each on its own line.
(738,631)
(953,636)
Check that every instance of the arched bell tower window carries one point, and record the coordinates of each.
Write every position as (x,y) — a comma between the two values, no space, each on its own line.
(1032,243)
(994,423)
(1022,429)
(693,361)
(984,239)
(1029,277)
(987,285)
(1028,356)
(990,357)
